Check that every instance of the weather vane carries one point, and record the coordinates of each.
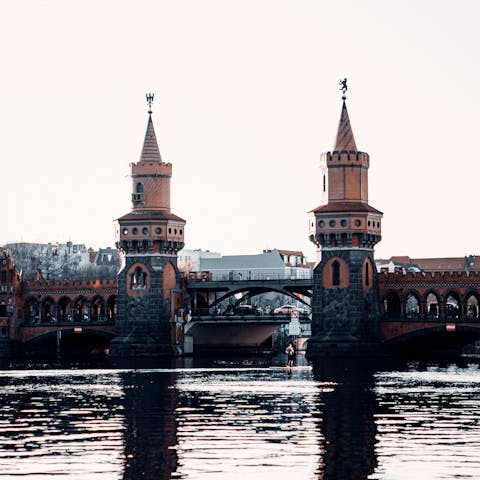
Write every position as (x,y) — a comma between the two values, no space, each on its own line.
(149,101)
(343,87)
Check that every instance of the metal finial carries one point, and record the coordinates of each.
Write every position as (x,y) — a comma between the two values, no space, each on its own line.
(149,101)
(343,87)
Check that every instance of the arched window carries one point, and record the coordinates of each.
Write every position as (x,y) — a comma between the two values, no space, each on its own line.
(367,274)
(336,273)
(412,306)
(432,305)
(138,279)
(324,183)
(472,306)
(139,187)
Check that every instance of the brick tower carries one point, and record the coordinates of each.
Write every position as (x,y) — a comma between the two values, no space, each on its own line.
(345,303)
(149,237)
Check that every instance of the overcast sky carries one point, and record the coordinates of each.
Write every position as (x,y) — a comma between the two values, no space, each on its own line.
(246,99)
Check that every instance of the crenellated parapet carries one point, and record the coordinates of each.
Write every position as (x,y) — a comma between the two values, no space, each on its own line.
(351,158)
(62,287)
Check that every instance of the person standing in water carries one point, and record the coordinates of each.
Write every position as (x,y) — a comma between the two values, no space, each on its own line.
(290,351)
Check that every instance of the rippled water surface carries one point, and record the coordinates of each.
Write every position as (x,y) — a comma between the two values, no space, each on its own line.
(333,421)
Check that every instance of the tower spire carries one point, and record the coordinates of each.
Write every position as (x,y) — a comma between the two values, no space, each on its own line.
(150,150)
(345,139)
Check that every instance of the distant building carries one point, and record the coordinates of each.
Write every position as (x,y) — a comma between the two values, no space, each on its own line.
(189,260)
(269,264)
(61,261)
(405,264)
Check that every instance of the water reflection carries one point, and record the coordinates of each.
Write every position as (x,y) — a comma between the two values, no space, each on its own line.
(347,412)
(339,420)
(51,421)
(150,426)
(247,423)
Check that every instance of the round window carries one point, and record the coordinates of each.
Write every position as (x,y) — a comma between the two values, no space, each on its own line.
(343,223)
(181,232)
(158,230)
(144,230)
(125,231)
(358,223)
(169,230)
(321,223)
(135,230)
(332,223)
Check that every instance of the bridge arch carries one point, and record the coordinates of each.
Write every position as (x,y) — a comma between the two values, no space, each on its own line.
(253,292)
(433,338)
(90,341)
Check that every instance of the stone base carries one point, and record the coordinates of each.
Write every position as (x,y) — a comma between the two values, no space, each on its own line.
(5,350)
(138,347)
(341,346)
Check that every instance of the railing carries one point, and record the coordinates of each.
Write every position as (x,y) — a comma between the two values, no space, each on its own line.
(213,312)
(389,317)
(240,277)
(67,320)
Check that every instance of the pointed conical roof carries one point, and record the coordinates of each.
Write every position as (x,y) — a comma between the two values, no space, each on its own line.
(150,151)
(345,139)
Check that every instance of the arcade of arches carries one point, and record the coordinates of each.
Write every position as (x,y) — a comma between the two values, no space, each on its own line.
(96,309)
(405,296)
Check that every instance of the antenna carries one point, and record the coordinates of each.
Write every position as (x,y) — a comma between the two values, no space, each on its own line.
(150,101)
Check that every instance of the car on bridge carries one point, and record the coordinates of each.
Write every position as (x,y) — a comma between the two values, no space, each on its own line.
(287,310)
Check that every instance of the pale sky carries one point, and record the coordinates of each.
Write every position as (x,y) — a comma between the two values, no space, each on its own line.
(246,100)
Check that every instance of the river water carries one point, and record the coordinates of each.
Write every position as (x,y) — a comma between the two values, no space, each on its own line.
(241,420)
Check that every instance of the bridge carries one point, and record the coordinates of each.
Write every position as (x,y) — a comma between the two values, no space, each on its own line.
(419,312)
(207,291)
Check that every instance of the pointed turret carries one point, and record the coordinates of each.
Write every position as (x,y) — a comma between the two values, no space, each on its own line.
(150,150)
(345,139)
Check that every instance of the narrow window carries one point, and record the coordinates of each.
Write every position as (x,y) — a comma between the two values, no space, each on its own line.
(324,183)
(336,273)
(139,188)
(367,275)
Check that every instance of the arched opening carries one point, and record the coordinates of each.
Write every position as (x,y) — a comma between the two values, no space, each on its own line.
(452,305)
(138,278)
(48,310)
(139,188)
(3,309)
(111,308)
(64,310)
(472,306)
(367,274)
(98,309)
(391,305)
(412,306)
(31,310)
(336,273)
(432,305)
(80,309)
